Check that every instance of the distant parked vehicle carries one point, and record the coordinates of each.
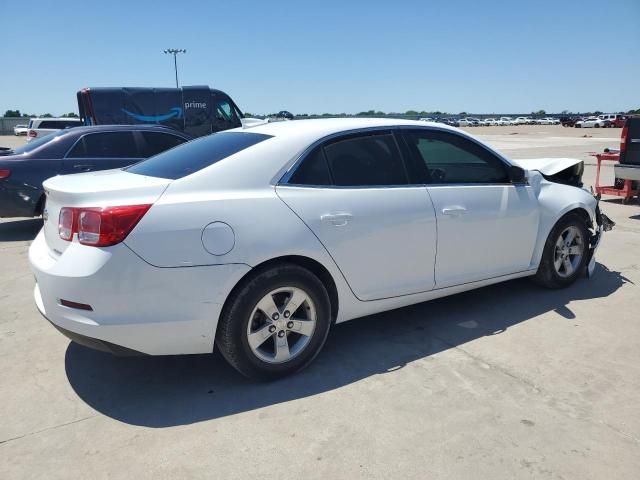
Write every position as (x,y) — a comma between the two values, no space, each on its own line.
(194,110)
(521,121)
(284,114)
(507,121)
(41,127)
(592,122)
(469,122)
(81,149)
(614,119)
(20,130)
(548,121)
(427,119)
(569,121)
(490,121)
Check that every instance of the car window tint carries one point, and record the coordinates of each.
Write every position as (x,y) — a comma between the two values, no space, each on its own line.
(106,145)
(313,170)
(450,158)
(196,154)
(366,161)
(157,142)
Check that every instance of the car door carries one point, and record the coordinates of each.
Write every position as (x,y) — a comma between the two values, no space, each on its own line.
(487,226)
(355,194)
(102,151)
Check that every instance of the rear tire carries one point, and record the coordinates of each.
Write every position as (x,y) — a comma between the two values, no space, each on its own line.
(259,336)
(565,253)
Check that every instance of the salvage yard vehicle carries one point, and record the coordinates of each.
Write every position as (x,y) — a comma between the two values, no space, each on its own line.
(614,119)
(81,149)
(20,130)
(592,122)
(257,240)
(41,127)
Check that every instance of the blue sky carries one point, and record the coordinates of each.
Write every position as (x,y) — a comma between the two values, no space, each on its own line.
(331,56)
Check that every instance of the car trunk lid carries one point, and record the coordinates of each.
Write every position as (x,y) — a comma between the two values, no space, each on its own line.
(106,188)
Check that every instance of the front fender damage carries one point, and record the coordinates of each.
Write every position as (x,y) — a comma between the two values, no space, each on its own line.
(603,224)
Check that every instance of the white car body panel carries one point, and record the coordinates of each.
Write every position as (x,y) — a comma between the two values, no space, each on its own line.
(546,166)
(360,228)
(161,291)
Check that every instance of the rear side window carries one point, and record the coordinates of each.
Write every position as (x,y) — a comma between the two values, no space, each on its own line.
(313,170)
(197,154)
(366,161)
(157,142)
(106,145)
(57,124)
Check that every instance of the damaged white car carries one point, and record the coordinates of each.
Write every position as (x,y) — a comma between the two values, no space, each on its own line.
(256,240)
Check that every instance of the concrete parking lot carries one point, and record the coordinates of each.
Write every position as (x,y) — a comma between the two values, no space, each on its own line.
(508,381)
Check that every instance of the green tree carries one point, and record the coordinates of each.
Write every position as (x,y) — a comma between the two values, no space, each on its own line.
(463,113)
(539,113)
(70,115)
(411,112)
(46,115)
(12,113)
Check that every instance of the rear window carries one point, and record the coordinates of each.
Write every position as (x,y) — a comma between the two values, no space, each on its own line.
(196,155)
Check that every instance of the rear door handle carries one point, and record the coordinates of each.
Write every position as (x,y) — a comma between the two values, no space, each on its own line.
(336,219)
(454,211)
(84,168)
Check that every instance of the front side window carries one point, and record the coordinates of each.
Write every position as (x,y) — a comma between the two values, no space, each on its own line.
(366,161)
(450,158)
(106,145)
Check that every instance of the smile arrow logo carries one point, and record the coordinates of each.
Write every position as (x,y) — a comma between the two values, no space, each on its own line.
(175,112)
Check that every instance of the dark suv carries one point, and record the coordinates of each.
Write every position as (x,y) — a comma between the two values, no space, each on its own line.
(80,149)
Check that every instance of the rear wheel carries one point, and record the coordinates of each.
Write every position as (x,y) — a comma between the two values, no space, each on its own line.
(275,323)
(565,253)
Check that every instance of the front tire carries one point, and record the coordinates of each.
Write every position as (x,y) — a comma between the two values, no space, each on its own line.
(565,253)
(275,323)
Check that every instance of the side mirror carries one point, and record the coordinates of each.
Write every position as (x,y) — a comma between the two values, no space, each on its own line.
(517,174)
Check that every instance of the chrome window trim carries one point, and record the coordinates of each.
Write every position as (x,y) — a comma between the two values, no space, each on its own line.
(283,176)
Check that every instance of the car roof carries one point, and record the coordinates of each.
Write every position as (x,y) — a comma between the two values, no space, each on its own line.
(322,127)
(111,128)
(71,119)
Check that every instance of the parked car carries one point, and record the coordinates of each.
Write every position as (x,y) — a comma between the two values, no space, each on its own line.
(80,149)
(522,121)
(426,119)
(490,121)
(614,119)
(41,127)
(591,122)
(629,166)
(569,121)
(548,121)
(286,115)
(20,130)
(228,241)
(507,121)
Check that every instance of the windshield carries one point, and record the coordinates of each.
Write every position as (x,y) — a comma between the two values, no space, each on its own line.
(197,154)
(33,144)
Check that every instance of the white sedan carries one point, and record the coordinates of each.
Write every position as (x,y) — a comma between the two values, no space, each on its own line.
(257,240)
(592,122)
(20,130)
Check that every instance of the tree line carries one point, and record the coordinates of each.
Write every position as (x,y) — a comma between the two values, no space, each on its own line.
(18,114)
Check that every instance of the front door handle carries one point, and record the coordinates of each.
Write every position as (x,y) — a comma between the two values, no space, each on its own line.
(336,219)
(454,211)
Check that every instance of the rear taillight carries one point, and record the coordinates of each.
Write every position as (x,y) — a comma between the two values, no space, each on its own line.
(100,227)
(623,138)
(5,173)
(32,133)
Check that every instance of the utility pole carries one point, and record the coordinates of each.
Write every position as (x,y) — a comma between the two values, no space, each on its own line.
(175,52)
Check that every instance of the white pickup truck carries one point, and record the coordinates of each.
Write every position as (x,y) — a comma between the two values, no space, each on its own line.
(39,127)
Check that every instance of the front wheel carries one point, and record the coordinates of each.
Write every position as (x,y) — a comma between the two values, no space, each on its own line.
(275,323)
(565,253)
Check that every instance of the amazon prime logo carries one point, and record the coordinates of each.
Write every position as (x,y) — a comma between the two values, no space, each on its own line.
(195,105)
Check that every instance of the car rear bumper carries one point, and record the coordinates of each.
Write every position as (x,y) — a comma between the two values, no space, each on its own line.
(134,306)
(627,172)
